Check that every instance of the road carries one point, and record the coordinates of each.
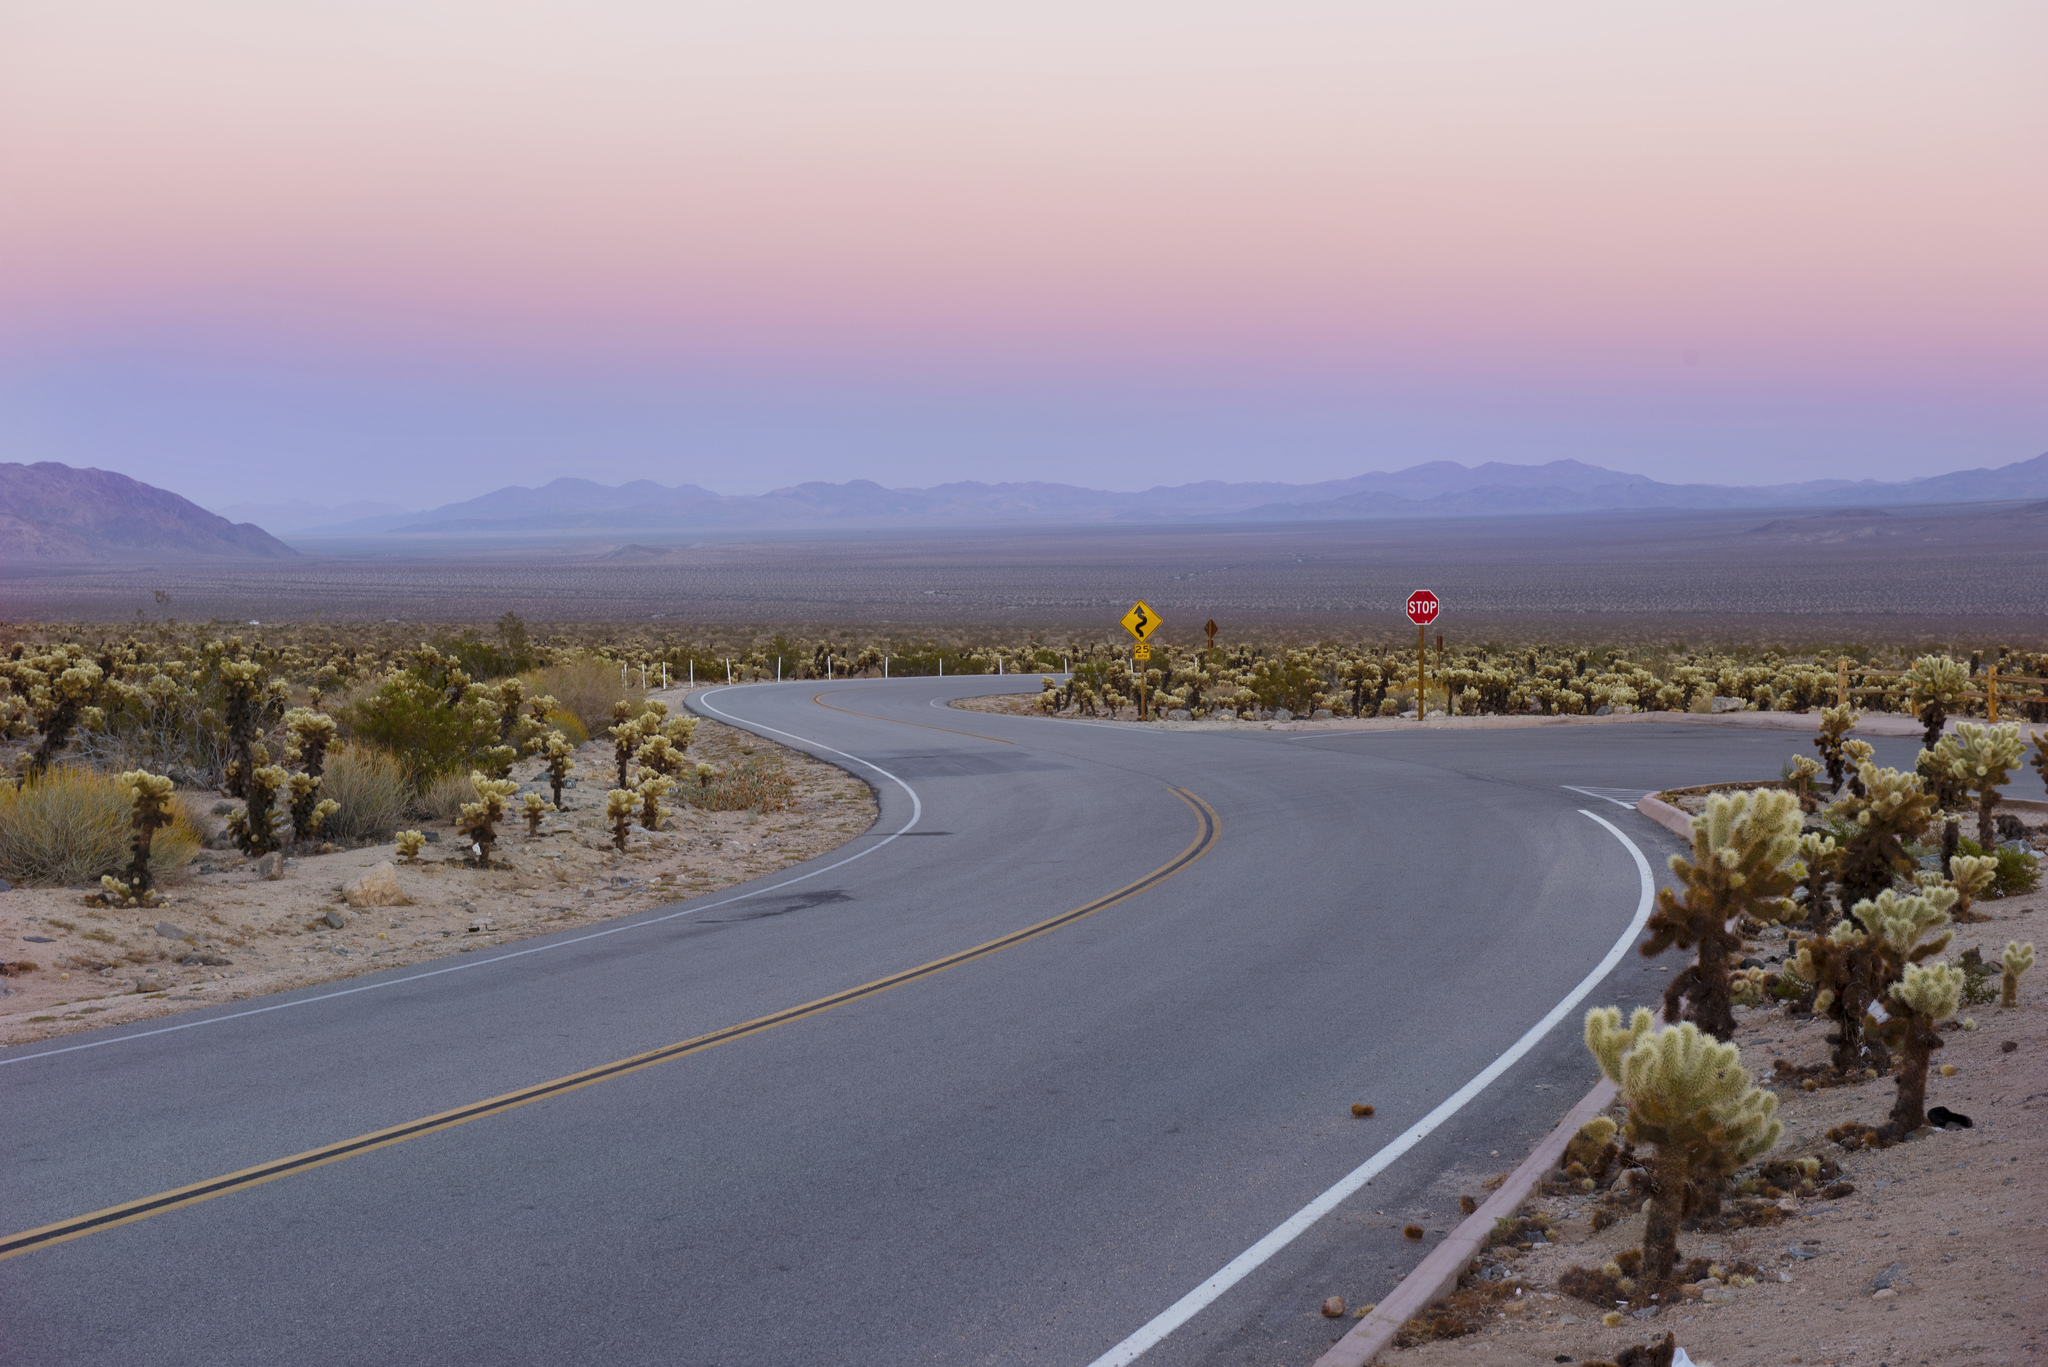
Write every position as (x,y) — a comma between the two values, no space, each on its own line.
(1026,1154)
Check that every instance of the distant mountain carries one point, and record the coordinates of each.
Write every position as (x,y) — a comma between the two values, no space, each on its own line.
(299,515)
(54,514)
(1436,489)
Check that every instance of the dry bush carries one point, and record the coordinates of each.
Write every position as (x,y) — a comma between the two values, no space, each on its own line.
(444,797)
(71,826)
(747,785)
(371,789)
(586,687)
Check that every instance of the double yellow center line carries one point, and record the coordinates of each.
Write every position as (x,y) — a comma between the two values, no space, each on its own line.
(130,1211)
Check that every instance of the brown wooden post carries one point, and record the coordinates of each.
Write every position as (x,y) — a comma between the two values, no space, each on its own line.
(1991,692)
(1842,684)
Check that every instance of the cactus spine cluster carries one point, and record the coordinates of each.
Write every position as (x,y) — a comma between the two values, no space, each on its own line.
(1689,1097)
(1743,847)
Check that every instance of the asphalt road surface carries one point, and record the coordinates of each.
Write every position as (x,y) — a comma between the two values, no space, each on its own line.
(1029,1153)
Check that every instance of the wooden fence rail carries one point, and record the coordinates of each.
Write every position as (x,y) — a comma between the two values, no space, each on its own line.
(1988,695)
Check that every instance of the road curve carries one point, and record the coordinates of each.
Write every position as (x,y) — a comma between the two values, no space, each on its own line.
(1075,1025)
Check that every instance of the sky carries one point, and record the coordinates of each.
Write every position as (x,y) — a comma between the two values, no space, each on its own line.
(411,252)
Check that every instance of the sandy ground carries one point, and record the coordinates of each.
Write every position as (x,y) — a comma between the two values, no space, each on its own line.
(1958,1218)
(1871,723)
(104,966)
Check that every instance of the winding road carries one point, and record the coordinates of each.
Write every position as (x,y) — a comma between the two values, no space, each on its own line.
(1052,1065)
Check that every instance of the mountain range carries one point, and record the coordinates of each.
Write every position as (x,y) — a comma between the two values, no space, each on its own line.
(56,514)
(1436,489)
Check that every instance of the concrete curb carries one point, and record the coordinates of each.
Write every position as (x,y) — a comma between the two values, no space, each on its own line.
(1671,818)
(1437,1275)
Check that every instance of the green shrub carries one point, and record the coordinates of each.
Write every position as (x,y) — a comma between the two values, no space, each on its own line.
(371,789)
(2018,871)
(417,724)
(72,826)
(585,688)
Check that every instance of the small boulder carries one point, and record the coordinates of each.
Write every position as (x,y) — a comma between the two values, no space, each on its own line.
(434,837)
(1720,704)
(6,886)
(1225,715)
(169,931)
(1321,714)
(1180,714)
(334,919)
(1282,714)
(271,866)
(378,887)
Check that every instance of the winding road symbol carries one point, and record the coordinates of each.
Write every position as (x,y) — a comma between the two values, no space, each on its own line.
(1141,621)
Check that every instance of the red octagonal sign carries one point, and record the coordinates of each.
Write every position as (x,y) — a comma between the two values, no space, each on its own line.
(1422,607)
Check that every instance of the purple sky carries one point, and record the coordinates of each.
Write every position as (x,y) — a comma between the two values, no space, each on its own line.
(412,252)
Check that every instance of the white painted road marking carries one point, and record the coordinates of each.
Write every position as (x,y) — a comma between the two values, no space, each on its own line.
(1188,1306)
(1620,797)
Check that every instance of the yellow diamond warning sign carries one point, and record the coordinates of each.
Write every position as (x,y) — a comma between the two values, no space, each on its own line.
(1141,621)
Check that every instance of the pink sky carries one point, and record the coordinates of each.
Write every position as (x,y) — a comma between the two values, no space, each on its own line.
(1737,204)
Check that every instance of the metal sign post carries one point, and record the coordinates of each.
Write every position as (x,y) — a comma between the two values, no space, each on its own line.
(1422,610)
(1141,621)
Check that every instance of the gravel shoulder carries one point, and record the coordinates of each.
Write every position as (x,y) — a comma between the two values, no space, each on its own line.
(227,934)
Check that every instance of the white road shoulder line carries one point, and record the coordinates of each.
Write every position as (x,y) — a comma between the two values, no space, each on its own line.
(916,813)
(1188,1306)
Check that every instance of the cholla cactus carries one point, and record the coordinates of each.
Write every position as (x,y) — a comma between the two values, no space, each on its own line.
(1835,725)
(1980,760)
(1844,969)
(1819,858)
(2017,959)
(618,814)
(481,817)
(1688,1096)
(258,828)
(149,811)
(241,683)
(1971,875)
(1799,774)
(62,701)
(308,809)
(651,790)
(535,810)
(1935,684)
(1855,754)
(410,843)
(658,755)
(705,774)
(557,750)
(626,737)
(309,734)
(1891,809)
(1925,996)
(1742,864)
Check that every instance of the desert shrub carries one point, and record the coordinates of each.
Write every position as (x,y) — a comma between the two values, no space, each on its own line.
(73,826)
(585,687)
(414,720)
(371,791)
(747,785)
(569,724)
(2018,872)
(443,798)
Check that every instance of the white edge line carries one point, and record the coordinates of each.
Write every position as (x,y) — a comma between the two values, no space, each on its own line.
(916,813)
(1188,1306)
(1597,797)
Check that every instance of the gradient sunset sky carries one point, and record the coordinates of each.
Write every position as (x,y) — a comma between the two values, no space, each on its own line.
(416,251)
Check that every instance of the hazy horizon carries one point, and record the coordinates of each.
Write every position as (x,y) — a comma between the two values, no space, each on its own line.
(413,253)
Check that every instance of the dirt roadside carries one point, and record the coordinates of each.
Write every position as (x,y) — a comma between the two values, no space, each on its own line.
(226,934)
(1932,1257)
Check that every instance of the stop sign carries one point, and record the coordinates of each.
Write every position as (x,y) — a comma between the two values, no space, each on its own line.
(1422,607)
